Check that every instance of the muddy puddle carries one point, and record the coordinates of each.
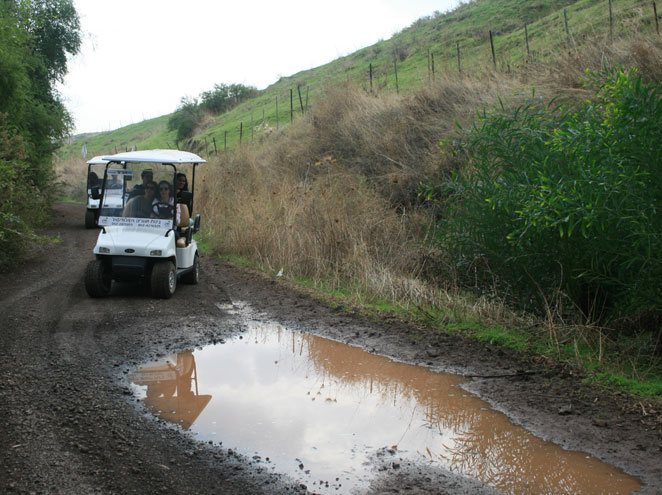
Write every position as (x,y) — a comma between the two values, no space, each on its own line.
(333,416)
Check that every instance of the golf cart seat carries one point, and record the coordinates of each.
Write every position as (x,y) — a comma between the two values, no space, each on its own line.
(183,225)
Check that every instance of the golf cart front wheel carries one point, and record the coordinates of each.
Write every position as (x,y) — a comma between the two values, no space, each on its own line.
(90,219)
(98,279)
(163,280)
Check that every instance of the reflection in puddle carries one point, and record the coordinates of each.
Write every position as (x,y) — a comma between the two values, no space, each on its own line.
(322,412)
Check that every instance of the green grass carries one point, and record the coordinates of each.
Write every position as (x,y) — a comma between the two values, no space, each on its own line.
(649,387)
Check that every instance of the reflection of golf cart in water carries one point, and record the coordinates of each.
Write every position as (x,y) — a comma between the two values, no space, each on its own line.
(95,170)
(142,239)
(172,389)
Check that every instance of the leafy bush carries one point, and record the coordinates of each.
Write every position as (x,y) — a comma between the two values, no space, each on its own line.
(224,97)
(185,119)
(566,200)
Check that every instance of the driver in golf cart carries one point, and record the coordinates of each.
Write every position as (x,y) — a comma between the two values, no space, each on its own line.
(141,206)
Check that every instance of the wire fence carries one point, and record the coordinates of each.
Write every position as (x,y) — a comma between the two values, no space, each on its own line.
(483,51)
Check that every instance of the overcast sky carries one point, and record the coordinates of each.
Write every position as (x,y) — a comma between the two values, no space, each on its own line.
(140,57)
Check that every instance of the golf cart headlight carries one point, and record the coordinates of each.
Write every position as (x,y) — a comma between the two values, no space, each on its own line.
(104,250)
(156,252)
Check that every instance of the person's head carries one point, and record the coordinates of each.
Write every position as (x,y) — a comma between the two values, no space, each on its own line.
(181,182)
(147,176)
(92,179)
(150,189)
(165,190)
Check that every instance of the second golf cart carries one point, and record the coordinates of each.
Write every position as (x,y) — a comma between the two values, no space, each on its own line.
(147,227)
(95,169)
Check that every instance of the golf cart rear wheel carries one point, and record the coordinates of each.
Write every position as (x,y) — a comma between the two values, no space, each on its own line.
(193,276)
(163,280)
(90,219)
(98,279)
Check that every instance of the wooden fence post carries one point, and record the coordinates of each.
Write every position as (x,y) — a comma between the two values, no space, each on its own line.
(291,105)
(395,68)
(526,37)
(370,73)
(459,65)
(493,53)
(432,65)
(565,22)
(657,22)
(611,23)
(215,148)
(429,71)
(241,132)
(300,99)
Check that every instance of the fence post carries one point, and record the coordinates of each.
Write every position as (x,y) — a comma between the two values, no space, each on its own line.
(395,68)
(611,23)
(370,73)
(300,99)
(429,71)
(432,65)
(492,47)
(215,148)
(526,38)
(459,65)
(657,22)
(241,132)
(565,22)
(291,105)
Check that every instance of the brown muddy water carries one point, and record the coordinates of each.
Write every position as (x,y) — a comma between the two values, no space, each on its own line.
(332,416)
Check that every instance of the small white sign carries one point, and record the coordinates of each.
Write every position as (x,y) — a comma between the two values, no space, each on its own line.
(142,223)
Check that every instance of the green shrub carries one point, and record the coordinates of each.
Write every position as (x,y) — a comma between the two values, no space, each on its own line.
(185,119)
(566,201)
(224,97)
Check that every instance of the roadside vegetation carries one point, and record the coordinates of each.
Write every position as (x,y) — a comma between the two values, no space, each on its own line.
(33,120)
(533,224)
(517,204)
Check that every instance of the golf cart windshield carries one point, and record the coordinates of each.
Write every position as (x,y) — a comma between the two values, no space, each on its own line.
(140,195)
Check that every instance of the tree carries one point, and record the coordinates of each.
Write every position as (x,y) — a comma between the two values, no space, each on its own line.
(225,96)
(35,39)
(185,119)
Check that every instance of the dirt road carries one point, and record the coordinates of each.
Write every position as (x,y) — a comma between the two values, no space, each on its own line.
(70,423)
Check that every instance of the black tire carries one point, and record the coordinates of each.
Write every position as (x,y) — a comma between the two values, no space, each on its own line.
(163,280)
(98,279)
(90,219)
(193,277)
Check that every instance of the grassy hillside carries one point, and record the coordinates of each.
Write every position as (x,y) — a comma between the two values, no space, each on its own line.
(425,50)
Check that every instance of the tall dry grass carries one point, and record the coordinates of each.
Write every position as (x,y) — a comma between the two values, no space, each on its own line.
(334,197)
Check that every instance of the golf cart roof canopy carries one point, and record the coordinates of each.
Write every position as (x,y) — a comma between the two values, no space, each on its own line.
(97,160)
(155,156)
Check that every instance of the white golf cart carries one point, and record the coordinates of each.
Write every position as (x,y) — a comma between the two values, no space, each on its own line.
(95,170)
(146,227)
